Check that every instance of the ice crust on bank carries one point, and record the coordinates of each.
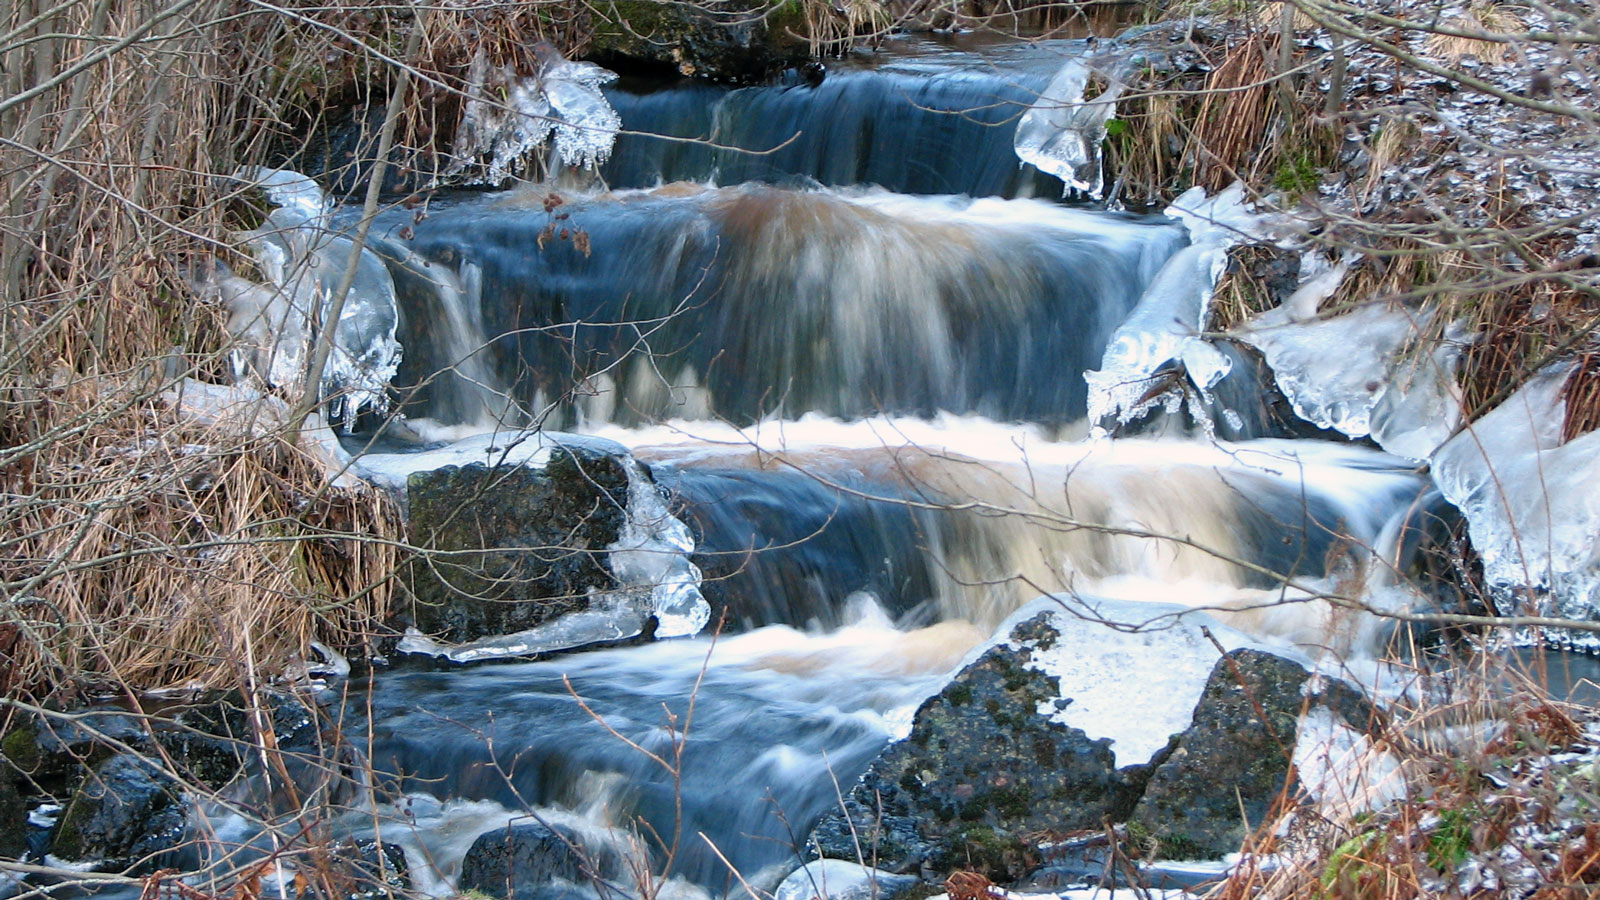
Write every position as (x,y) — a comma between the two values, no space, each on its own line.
(275,325)
(1061,133)
(1164,330)
(561,99)
(1532,503)
(1358,374)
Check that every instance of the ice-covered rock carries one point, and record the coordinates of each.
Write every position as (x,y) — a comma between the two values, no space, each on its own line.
(1163,331)
(1061,132)
(1532,502)
(561,99)
(1361,373)
(653,552)
(536,542)
(838,879)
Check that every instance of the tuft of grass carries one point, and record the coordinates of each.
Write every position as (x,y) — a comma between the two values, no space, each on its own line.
(1483,18)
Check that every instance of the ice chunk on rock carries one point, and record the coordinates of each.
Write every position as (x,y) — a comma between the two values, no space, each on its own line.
(1061,132)
(1360,373)
(1164,329)
(1532,502)
(562,98)
(653,551)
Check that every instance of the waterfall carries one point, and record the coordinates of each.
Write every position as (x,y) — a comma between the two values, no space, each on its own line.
(835,326)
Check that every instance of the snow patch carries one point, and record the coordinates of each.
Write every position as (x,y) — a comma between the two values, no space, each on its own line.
(1128,671)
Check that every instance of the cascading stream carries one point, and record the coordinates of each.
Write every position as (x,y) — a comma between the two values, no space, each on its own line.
(864,405)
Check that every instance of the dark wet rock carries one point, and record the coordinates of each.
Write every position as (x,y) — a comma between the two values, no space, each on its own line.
(211,741)
(516,546)
(368,869)
(125,812)
(981,776)
(13,818)
(1233,762)
(740,41)
(51,754)
(534,861)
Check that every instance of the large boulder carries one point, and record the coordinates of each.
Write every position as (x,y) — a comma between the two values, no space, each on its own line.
(1232,764)
(509,547)
(534,861)
(126,812)
(982,774)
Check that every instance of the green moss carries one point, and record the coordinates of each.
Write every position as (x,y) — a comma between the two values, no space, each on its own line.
(959,694)
(1348,861)
(21,746)
(1297,174)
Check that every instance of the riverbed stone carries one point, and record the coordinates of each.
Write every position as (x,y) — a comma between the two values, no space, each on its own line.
(125,811)
(13,817)
(981,776)
(507,548)
(1228,769)
(534,861)
(738,41)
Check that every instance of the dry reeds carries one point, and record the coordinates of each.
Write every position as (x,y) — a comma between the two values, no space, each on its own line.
(136,550)
(1232,121)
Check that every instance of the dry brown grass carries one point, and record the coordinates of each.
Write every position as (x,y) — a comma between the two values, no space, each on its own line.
(1233,120)
(1489,18)
(135,550)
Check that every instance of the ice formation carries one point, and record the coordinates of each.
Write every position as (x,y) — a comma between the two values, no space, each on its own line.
(1532,502)
(1061,132)
(653,552)
(562,98)
(1358,374)
(1163,331)
(304,262)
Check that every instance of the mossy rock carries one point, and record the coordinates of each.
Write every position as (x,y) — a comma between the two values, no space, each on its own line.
(1230,766)
(981,775)
(507,548)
